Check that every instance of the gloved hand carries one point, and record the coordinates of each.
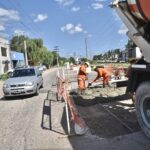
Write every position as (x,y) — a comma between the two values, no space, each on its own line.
(89,84)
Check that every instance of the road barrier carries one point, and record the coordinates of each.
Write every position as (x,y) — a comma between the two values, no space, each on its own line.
(63,93)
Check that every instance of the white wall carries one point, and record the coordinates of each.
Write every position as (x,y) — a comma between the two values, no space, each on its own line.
(138,52)
(4,43)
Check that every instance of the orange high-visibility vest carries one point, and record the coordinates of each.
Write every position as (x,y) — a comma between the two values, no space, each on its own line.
(82,72)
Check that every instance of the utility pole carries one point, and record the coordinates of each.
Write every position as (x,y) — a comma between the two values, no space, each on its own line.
(25,50)
(86,48)
(25,53)
(56,49)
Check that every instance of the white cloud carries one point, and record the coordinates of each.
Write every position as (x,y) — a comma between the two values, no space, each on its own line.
(19,32)
(72,29)
(75,9)
(2,28)
(8,14)
(65,2)
(40,17)
(97,6)
(78,28)
(123,29)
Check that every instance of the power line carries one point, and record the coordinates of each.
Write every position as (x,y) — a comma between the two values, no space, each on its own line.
(18,6)
(20,21)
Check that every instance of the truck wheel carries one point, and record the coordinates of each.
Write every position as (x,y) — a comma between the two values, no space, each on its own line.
(143,107)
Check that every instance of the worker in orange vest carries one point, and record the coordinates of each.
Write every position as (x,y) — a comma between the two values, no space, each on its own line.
(82,76)
(101,72)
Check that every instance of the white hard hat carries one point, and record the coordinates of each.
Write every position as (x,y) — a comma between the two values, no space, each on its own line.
(87,63)
(94,67)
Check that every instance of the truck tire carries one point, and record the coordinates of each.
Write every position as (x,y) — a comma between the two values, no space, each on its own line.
(143,107)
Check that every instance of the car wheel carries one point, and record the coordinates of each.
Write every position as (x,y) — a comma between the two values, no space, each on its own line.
(6,97)
(143,107)
(37,91)
(42,85)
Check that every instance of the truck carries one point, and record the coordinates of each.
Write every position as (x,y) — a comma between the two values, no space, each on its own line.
(135,14)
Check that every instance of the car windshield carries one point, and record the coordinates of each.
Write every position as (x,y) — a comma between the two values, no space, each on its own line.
(23,73)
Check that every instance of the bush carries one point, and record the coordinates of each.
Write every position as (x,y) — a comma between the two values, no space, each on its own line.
(4,76)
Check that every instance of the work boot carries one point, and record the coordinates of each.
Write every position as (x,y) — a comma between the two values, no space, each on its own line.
(81,92)
(106,85)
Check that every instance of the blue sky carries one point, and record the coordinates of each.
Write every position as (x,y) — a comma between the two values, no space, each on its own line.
(65,23)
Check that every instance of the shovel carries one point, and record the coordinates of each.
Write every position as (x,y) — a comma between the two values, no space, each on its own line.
(89,85)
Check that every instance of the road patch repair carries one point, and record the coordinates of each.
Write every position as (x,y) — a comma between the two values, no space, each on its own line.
(108,112)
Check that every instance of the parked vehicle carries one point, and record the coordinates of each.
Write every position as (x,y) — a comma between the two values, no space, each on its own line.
(41,68)
(136,16)
(24,81)
(44,67)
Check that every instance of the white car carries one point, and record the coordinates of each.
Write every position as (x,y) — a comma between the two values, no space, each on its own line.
(24,81)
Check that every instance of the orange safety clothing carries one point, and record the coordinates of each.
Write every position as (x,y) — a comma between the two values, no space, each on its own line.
(102,72)
(81,84)
(82,77)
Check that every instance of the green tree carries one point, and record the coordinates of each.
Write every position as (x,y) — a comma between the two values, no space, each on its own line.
(17,43)
(37,53)
(72,60)
(130,45)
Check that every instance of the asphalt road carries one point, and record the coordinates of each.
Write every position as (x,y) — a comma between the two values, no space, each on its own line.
(22,126)
(20,119)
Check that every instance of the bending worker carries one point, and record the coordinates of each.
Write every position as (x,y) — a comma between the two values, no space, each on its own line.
(82,76)
(101,72)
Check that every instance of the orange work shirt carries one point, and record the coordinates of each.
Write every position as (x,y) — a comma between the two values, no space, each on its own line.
(101,72)
(82,72)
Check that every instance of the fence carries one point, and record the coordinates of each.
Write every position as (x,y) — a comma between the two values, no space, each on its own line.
(63,93)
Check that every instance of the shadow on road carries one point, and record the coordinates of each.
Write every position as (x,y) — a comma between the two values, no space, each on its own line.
(54,114)
(16,98)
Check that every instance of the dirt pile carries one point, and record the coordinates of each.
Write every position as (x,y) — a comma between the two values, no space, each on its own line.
(96,95)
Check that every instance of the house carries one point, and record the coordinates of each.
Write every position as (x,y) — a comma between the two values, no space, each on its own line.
(5,63)
(130,53)
(134,53)
(124,56)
